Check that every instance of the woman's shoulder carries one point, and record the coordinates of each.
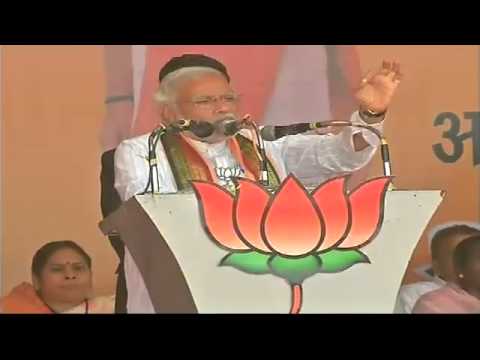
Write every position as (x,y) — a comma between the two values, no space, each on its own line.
(23,299)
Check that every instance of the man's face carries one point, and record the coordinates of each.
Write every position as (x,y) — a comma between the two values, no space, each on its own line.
(207,98)
(443,266)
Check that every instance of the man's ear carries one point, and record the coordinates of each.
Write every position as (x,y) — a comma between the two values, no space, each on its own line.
(167,114)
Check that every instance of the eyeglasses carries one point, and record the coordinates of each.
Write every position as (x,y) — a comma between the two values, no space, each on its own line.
(212,101)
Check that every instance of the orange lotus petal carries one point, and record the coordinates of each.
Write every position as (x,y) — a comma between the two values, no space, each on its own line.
(292,225)
(367,204)
(250,205)
(216,208)
(334,207)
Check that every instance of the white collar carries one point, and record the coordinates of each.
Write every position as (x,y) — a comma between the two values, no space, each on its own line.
(209,149)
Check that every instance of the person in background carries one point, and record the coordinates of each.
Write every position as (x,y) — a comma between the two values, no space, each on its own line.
(443,242)
(462,295)
(61,284)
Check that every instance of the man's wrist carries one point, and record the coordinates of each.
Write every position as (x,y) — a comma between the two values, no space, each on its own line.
(371,117)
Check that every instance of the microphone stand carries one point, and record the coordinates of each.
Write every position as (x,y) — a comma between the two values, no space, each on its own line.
(153,184)
(263,179)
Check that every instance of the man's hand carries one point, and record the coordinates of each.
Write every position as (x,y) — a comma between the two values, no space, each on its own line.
(377,88)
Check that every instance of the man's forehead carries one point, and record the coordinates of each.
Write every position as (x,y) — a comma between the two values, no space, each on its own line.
(206,85)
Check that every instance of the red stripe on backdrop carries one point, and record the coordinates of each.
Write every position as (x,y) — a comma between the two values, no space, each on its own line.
(344,77)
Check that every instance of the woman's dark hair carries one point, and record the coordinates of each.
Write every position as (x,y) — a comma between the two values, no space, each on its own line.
(464,250)
(43,254)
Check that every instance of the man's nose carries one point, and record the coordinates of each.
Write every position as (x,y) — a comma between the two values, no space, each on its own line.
(222,107)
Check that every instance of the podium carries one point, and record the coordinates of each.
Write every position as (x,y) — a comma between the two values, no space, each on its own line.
(179,262)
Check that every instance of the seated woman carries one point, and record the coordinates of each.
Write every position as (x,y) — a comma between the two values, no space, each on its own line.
(462,297)
(62,283)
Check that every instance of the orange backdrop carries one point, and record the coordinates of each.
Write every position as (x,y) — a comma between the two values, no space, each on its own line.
(53,113)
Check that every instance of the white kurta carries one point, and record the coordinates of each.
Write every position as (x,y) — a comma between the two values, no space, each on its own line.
(312,158)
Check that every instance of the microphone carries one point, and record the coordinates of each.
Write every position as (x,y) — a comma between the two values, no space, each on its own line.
(201,129)
(272,133)
(230,125)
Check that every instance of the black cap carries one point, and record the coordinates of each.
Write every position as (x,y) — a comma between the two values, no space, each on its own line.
(192,60)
